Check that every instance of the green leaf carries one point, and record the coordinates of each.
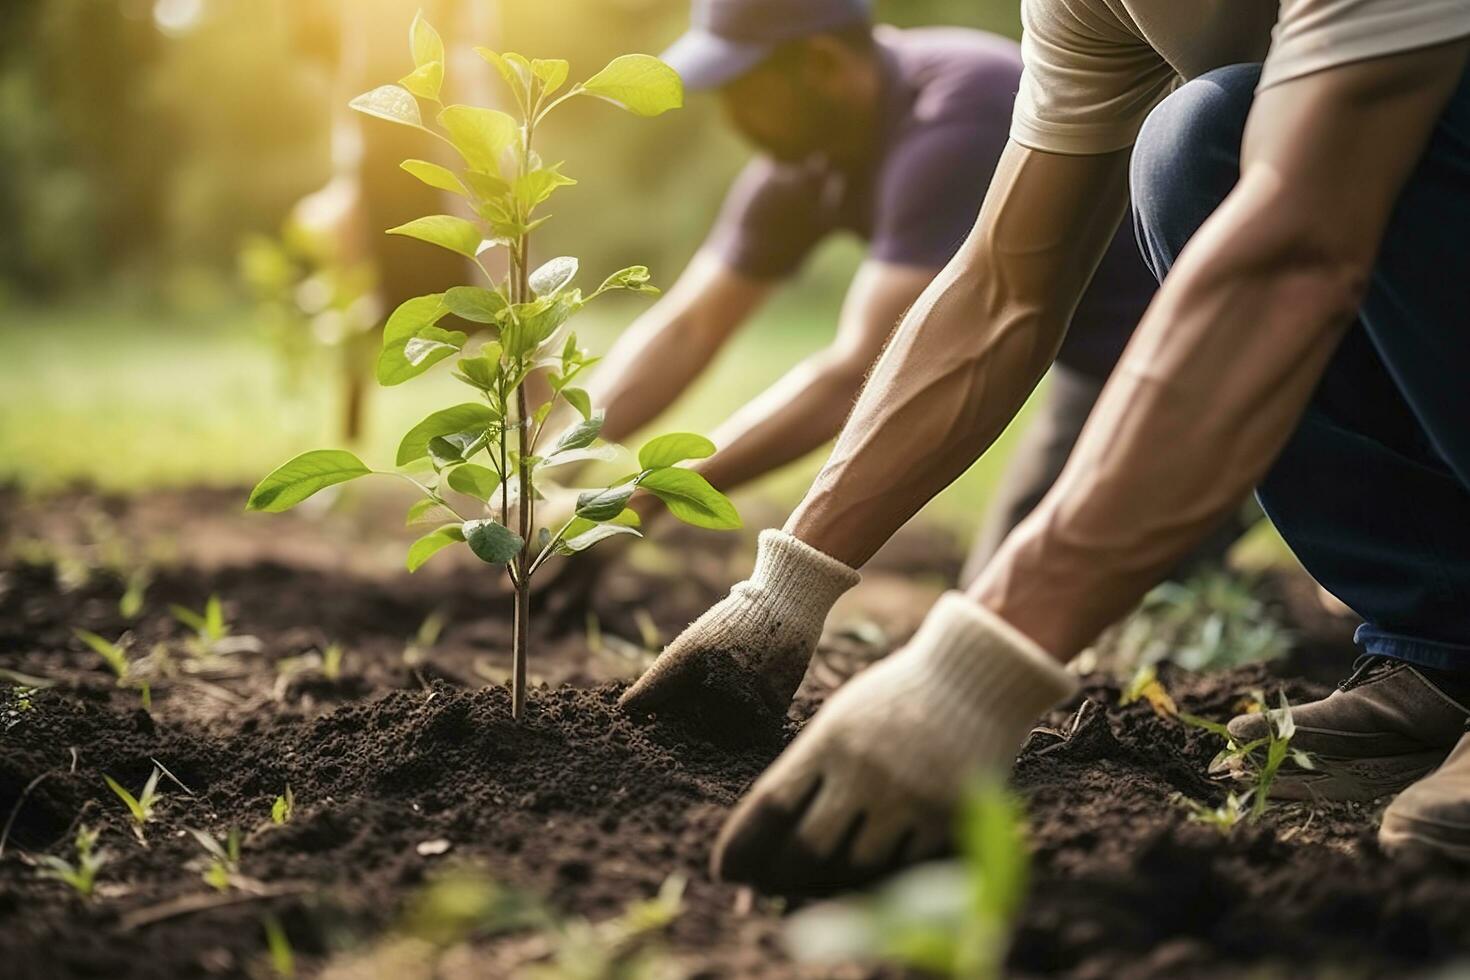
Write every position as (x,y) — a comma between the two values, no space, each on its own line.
(484,137)
(455,234)
(140,815)
(487,187)
(492,542)
(537,186)
(552,72)
(604,505)
(639,83)
(415,319)
(418,354)
(470,418)
(599,532)
(514,69)
(294,481)
(423,510)
(391,102)
(431,544)
(425,81)
(691,499)
(532,324)
(111,653)
(579,399)
(479,482)
(579,436)
(475,303)
(425,43)
(554,276)
(482,372)
(635,278)
(674,448)
(435,176)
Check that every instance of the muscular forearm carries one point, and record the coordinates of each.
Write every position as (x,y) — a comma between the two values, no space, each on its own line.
(968,353)
(1180,435)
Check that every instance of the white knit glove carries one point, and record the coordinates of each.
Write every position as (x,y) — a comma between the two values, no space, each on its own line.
(873,780)
(739,664)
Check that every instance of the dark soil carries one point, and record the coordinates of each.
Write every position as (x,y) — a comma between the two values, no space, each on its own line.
(578,804)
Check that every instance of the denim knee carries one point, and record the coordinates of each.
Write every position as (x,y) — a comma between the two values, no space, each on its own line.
(1187,159)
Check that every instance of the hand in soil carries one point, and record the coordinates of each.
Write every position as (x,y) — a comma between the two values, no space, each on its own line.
(873,780)
(738,666)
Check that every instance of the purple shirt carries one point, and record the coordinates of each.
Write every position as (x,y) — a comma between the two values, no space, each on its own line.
(947,99)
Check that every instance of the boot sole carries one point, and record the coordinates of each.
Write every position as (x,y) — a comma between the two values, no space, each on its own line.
(1347,780)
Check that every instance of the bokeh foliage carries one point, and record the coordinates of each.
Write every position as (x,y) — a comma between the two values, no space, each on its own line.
(140,156)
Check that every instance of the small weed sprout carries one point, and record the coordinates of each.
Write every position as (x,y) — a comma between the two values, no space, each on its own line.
(490,451)
(332,662)
(282,959)
(416,651)
(283,808)
(946,918)
(210,628)
(140,807)
(82,876)
(1257,761)
(222,860)
(16,705)
(115,656)
(135,589)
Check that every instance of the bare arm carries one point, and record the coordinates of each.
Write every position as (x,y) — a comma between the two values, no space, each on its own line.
(807,406)
(1231,350)
(657,358)
(970,351)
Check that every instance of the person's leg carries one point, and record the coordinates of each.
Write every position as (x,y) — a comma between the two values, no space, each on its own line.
(1360,492)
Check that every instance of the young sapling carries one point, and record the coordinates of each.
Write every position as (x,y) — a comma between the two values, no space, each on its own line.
(481,463)
(80,877)
(140,807)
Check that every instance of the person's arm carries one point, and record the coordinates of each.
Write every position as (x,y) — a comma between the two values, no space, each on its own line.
(970,350)
(1230,352)
(806,407)
(953,376)
(656,359)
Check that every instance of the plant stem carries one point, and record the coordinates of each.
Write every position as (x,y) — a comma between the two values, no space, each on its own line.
(527,510)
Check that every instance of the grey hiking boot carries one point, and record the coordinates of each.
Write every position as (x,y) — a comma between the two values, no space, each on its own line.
(1386,726)
(1434,813)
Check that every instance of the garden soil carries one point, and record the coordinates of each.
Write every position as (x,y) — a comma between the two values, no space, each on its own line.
(407,766)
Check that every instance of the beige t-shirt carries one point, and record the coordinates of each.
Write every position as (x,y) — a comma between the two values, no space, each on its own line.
(1095,68)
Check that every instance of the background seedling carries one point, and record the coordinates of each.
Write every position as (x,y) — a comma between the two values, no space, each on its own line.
(946,918)
(213,635)
(116,659)
(491,451)
(284,806)
(80,877)
(222,863)
(282,959)
(416,651)
(1213,621)
(140,807)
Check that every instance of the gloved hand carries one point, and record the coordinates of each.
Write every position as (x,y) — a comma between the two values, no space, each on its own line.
(873,780)
(739,665)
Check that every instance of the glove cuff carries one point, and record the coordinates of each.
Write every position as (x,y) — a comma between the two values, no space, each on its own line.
(981,665)
(797,584)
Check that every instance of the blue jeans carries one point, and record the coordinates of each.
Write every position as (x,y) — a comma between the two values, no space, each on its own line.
(1372,491)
